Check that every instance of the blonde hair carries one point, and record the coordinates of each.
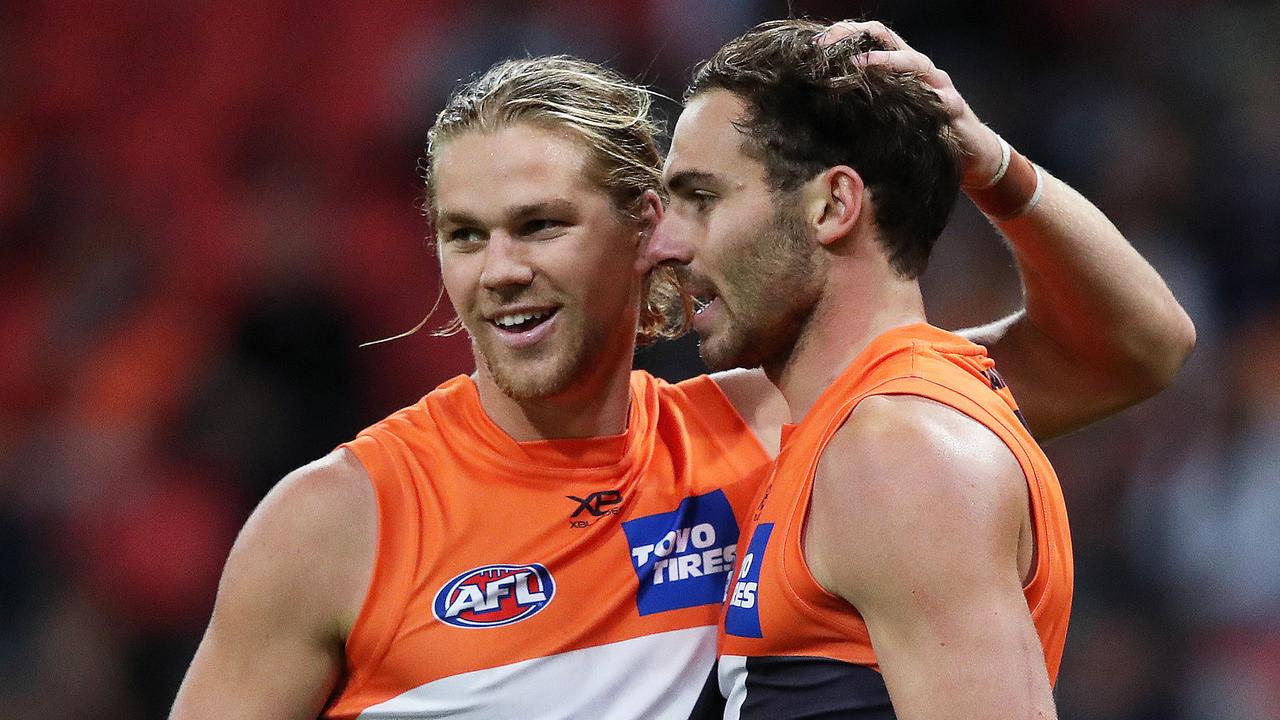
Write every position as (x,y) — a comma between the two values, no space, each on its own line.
(611,117)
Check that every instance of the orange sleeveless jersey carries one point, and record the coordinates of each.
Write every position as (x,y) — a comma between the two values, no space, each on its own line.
(788,648)
(566,578)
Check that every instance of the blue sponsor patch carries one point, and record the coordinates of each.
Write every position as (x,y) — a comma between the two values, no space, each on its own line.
(743,616)
(684,557)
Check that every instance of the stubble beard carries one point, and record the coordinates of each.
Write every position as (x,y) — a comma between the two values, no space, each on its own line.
(540,372)
(774,286)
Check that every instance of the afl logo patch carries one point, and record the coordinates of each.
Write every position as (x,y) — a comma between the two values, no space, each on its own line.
(494,595)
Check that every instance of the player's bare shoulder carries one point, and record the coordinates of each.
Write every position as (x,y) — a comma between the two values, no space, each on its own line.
(908,480)
(922,440)
(289,593)
(312,541)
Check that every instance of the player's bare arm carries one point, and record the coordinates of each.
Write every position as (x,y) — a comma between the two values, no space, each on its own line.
(291,589)
(919,519)
(1101,330)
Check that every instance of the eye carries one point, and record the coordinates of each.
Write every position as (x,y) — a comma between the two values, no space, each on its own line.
(702,200)
(465,238)
(541,226)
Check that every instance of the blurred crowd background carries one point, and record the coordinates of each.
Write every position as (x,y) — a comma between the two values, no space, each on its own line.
(206,206)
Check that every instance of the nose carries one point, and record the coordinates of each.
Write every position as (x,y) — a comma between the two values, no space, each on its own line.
(669,243)
(505,263)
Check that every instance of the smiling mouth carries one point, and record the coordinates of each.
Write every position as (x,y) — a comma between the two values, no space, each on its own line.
(520,322)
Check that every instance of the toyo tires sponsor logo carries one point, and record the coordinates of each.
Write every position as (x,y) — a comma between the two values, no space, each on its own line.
(742,617)
(494,595)
(683,558)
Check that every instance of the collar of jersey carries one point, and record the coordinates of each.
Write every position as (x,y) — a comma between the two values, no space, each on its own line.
(609,455)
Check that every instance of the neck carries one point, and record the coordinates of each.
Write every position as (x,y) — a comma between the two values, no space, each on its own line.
(857,305)
(594,405)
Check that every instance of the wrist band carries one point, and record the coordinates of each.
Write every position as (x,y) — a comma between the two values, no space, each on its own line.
(1006,152)
(1031,202)
(1016,192)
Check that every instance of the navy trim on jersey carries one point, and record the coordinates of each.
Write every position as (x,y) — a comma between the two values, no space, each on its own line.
(813,688)
(710,704)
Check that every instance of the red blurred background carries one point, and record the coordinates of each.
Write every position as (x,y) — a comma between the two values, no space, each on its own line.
(206,206)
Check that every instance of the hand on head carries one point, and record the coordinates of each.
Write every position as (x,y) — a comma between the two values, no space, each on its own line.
(982,151)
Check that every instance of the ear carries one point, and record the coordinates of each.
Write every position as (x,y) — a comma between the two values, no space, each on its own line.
(649,213)
(836,204)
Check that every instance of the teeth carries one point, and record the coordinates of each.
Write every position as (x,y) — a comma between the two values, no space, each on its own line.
(516,319)
(700,304)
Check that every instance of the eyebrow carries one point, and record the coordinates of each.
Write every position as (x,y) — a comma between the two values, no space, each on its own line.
(680,182)
(457,218)
(556,206)
(545,207)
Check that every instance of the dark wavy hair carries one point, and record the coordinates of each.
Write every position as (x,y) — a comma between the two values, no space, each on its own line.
(810,108)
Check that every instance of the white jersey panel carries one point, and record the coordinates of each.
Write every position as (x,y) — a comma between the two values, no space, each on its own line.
(655,677)
(732,672)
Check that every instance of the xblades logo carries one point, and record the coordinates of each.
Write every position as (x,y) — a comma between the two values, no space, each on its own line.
(596,502)
(597,505)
